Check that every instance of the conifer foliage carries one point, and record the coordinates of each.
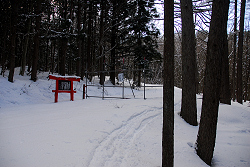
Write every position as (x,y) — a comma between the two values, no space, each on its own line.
(74,37)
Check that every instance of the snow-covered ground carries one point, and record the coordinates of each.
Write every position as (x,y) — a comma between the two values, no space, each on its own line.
(35,131)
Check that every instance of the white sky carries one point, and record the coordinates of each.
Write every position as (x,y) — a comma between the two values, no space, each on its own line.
(160,23)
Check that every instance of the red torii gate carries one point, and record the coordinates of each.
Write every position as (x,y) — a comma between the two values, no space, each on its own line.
(64,84)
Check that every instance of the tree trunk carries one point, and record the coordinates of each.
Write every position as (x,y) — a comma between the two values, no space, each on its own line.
(211,94)
(36,40)
(89,41)
(64,40)
(93,43)
(240,52)
(139,78)
(102,56)
(225,95)
(79,41)
(234,52)
(53,48)
(25,46)
(47,43)
(139,59)
(30,55)
(83,57)
(4,51)
(247,85)
(168,86)
(14,10)
(62,56)
(188,105)
(113,43)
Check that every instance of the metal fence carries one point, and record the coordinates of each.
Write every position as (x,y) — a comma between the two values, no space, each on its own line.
(121,80)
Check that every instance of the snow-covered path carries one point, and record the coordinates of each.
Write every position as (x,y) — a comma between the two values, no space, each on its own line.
(57,134)
(117,145)
(35,131)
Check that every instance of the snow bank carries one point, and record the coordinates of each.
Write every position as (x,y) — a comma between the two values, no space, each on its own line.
(35,131)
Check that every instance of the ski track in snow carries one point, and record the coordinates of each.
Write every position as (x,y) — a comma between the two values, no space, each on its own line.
(113,149)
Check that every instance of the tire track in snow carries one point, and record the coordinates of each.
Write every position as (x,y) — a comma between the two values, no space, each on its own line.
(112,150)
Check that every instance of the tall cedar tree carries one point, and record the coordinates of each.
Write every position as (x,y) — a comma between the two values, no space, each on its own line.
(79,41)
(247,69)
(211,94)
(29,9)
(225,95)
(143,39)
(240,52)
(4,32)
(36,40)
(113,40)
(188,105)
(102,56)
(14,10)
(234,52)
(168,86)
(83,57)
(89,39)
(64,37)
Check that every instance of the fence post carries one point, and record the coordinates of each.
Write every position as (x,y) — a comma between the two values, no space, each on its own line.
(103,91)
(144,85)
(144,80)
(86,77)
(123,88)
(83,92)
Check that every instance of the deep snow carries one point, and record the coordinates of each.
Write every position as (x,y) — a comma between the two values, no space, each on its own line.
(35,131)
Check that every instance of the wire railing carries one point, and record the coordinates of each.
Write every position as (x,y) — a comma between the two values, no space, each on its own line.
(121,81)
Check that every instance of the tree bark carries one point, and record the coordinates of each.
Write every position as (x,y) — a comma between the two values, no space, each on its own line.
(4,53)
(234,52)
(48,42)
(211,94)
(247,85)
(188,105)
(36,41)
(83,57)
(240,52)
(113,43)
(225,95)
(79,41)
(102,56)
(89,41)
(14,10)
(168,86)
(52,50)
(64,40)
(25,46)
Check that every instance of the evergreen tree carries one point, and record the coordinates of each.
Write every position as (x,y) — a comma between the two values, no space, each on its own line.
(188,105)
(240,52)
(225,95)
(212,84)
(168,86)
(36,40)
(28,9)
(14,15)
(102,56)
(63,37)
(234,52)
(142,34)
(114,22)
(5,13)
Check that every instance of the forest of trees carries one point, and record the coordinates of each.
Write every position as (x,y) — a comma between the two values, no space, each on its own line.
(71,37)
(214,58)
(102,37)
